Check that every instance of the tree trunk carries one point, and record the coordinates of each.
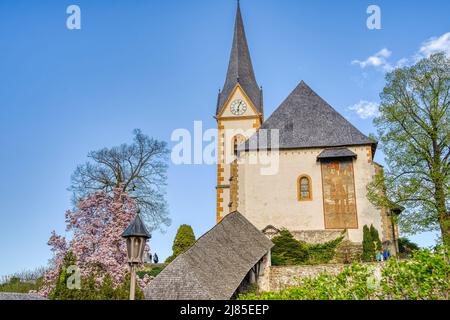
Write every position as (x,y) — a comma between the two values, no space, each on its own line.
(444,216)
(444,222)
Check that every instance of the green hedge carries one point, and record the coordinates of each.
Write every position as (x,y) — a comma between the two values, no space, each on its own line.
(289,251)
(154,271)
(424,276)
(15,284)
(90,290)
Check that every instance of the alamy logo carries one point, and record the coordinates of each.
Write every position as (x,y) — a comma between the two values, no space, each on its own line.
(74,280)
(211,147)
(73,22)
(374,20)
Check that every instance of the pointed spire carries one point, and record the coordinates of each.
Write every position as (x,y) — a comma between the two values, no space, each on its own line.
(240,68)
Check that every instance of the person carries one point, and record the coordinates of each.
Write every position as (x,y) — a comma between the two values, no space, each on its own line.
(386,254)
(155,258)
(379,256)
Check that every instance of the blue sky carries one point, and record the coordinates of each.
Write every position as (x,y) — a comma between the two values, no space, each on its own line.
(157,66)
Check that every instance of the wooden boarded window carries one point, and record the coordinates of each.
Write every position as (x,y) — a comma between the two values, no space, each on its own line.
(237,140)
(339,199)
(304,192)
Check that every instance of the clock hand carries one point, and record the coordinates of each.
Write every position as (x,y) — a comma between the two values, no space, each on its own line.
(239,106)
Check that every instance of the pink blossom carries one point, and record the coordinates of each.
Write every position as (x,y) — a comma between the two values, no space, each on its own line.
(97,225)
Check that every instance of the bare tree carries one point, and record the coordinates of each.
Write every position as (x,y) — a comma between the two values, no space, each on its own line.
(140,169)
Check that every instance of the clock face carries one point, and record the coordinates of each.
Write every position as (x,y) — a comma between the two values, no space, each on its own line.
(238,107)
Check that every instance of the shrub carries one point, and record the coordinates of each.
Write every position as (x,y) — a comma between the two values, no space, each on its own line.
(90,288)
(153,272)
(60,291)
(424,276)
(406,247)
(375,238)
(368,253)
(184,239)
(323,252)
(289,251)
(23,281)
(15,284)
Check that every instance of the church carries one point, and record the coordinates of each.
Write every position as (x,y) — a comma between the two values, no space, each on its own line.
(324,164)
(313,185)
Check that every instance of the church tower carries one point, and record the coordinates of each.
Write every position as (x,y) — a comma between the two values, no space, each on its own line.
(239,114)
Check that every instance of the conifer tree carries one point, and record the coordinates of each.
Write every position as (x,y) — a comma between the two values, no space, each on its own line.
(375,237)
(183,240)
(368,245)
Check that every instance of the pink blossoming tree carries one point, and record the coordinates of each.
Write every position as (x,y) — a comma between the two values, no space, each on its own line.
(96,225)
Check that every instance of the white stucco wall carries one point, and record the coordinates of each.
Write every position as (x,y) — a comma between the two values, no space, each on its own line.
(272,199)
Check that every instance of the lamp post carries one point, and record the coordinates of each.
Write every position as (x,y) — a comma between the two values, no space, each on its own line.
(136,236)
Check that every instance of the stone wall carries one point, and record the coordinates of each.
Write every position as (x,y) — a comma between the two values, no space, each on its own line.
(280,277)
(347,252)
(318,236)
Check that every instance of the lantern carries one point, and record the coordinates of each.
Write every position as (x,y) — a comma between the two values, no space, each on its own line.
(136,236)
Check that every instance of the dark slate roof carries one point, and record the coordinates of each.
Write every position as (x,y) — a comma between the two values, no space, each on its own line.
(20,296)
(136,228)
(305,120)
(336,153)
(214,267)
(240,69)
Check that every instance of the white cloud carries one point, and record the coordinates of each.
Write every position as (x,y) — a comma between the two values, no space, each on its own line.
(436,44)
(365,109)
(378,60)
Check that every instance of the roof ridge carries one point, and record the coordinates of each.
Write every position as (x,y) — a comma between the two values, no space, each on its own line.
(234,245)
(306,120)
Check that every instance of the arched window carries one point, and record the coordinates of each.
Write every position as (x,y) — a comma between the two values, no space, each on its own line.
(304,188)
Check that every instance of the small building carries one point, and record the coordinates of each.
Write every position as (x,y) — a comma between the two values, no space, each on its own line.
(218,266)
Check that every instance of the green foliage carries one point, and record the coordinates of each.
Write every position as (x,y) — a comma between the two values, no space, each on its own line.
(123,291)
(61,291)
(425,276)
(406,247)
(90,289)
(289,251)
(183,240)
(371,243)
(414,133)
(323,252)
(15,284)
(375,238)
(23,281)
(153,272)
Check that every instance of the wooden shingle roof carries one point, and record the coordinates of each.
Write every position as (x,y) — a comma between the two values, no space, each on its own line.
(305,120)
(336,153)
(214,267)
